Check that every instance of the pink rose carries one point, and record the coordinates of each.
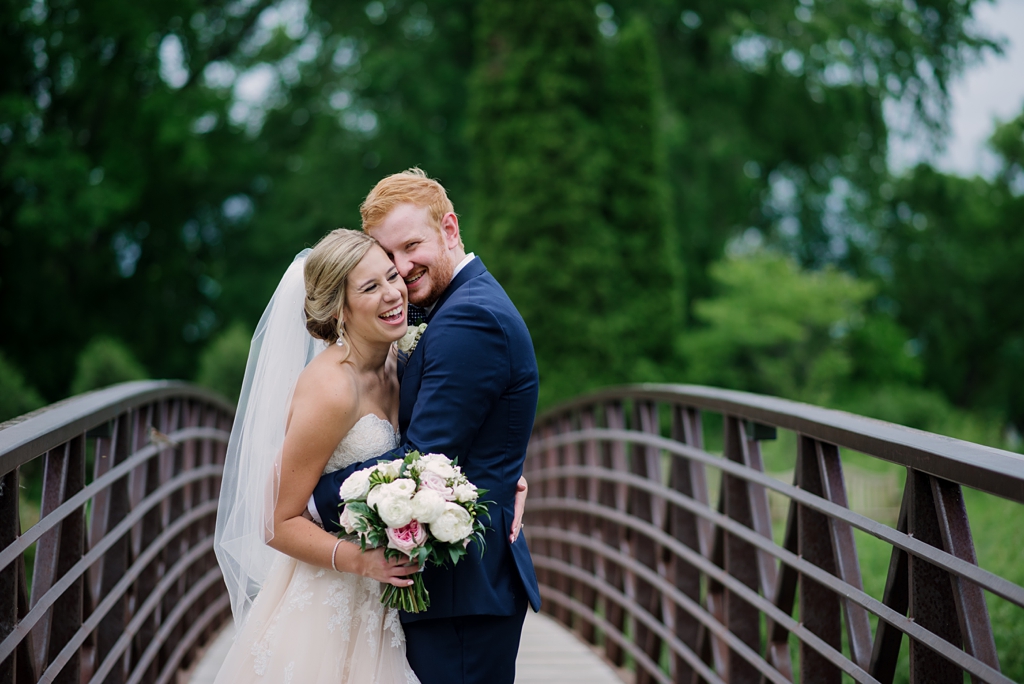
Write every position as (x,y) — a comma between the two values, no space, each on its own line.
(437,483)
(407,538)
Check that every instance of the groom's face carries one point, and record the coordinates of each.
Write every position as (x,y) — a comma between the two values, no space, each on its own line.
(423,256)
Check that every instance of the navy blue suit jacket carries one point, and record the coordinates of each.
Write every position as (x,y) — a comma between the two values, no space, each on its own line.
(469,391)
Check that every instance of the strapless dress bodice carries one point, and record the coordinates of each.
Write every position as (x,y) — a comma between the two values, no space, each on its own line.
(371,436)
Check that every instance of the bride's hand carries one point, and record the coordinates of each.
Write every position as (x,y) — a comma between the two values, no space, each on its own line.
(395,572)
(520,508)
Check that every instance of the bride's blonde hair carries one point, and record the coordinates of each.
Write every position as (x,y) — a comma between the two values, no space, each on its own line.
(326,274)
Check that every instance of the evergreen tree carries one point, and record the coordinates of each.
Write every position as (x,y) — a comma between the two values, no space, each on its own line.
(650,303)
(540,170)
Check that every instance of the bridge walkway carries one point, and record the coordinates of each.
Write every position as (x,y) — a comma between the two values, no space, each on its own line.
(548,654)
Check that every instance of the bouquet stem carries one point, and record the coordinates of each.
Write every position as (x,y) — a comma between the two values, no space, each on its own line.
(414,599)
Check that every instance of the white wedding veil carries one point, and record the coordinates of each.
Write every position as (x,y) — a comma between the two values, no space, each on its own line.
(281,348)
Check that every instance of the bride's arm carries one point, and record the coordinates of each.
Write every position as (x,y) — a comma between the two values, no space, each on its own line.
(323,411)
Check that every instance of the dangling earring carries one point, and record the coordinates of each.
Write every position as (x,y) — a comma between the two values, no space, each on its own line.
(341,334)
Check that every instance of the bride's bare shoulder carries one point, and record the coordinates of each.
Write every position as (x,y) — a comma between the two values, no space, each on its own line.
(327,385)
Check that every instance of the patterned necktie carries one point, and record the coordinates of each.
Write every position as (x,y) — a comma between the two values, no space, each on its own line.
(416,315)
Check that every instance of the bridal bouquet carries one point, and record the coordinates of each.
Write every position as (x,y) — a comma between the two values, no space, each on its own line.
(421,507)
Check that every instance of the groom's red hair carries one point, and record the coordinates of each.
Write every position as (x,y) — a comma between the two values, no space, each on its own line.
(411,186)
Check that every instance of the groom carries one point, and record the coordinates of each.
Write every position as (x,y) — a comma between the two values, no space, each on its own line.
(469,391)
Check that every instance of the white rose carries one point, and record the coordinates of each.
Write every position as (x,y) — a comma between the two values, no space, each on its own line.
(439,467)
(395,511)
(465,492)
(454,524)
(349,519)
(376,495)
(389,469)
(434,458)
(427,505)
(402,487)
(411,338)
(356,486)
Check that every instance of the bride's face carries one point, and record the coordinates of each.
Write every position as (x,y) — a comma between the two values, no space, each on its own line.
(376,299)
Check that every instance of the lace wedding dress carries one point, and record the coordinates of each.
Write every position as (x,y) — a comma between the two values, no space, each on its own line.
(309,625)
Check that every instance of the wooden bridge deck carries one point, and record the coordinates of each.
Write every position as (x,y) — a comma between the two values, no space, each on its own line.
(549,654)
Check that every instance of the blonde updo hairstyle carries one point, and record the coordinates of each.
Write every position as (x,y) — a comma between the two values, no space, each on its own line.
(326,273)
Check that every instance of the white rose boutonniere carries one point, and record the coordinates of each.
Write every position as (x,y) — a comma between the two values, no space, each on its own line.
(412,337)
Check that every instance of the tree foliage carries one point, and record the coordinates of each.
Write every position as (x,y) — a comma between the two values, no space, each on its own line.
(775,329)
(601,158)
(954,247)
(544,142)
(112,179)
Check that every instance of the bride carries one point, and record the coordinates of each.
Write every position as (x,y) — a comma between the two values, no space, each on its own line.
(307,604)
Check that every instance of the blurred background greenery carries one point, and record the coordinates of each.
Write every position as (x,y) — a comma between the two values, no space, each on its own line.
(670,190)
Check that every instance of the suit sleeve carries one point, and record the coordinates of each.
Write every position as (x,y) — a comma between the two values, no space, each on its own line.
(325,494)
(466,370)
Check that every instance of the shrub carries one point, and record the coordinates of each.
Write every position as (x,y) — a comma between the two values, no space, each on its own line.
(222,363)
(16,395)
(105,361)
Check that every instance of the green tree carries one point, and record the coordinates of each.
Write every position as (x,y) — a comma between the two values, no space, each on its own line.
(649,306)
(774,328)
(540,170)
(222,363)
(954,249)
(115,162)
(16,395)
(777,112)
(103,362)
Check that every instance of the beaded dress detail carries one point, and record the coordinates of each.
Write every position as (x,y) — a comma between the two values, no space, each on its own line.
(317,626)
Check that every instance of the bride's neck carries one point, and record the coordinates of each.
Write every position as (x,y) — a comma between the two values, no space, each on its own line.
(368,357)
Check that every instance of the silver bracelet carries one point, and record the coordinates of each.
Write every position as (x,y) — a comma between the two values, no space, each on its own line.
(335,551)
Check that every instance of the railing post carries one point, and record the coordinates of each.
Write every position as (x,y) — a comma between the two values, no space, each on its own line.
(111,507)
(614,496)
(170,420)
(819,607)
(946,605)
(149,478)
(591,492)
(931,597)
(971,609)
(885,650)
(646,462)
(561,550)
(549,489)
(57,551)
(13,593)
(688,478)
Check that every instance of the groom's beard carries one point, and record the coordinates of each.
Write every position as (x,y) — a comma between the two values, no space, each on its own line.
(440,278)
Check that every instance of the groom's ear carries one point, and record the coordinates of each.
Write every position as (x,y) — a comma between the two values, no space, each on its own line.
(450,230)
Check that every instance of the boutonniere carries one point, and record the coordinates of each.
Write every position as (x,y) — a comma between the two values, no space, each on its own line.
(412,337)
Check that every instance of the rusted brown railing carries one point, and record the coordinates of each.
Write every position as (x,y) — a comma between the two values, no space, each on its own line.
(125,583)
(631,555)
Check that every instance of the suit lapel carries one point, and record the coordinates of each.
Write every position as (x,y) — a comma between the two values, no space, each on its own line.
(412,372)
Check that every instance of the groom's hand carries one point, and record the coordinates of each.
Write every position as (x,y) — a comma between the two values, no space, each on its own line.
(520,508)
(394,572)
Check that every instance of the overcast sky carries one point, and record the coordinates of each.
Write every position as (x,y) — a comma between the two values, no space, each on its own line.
(992,89)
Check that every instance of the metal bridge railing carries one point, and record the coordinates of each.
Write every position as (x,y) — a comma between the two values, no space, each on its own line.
(125,584)
(632,556)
